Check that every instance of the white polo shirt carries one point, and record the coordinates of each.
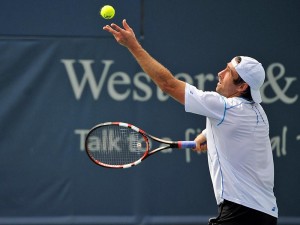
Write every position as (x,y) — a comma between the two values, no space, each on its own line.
(239,151)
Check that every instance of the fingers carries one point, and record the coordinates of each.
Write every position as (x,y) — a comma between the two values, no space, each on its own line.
(109,29)
(116,27)
(113,28)
(125,25)
(124,36)
(201,148)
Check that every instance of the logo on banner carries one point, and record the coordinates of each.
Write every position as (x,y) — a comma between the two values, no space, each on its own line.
(273,82)
(120,86)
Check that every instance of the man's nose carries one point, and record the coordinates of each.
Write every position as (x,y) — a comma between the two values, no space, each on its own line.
(220,75)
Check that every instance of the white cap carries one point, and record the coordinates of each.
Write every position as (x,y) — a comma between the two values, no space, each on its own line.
(252,72)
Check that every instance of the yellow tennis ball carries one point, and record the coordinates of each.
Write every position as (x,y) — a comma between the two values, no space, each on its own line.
(107,12)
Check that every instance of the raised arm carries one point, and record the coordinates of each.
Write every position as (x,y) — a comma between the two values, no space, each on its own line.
(161,76)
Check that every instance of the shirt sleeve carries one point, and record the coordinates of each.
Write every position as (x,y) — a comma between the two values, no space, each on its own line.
(204,133)
(205,103)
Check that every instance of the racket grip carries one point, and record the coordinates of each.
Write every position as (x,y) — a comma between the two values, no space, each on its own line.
(186,144)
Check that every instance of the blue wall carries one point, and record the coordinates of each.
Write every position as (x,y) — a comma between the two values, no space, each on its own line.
(60,74)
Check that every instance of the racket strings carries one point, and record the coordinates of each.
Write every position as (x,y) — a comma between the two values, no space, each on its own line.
(116,145)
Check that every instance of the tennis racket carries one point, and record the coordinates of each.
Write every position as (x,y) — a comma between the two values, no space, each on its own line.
(122,145)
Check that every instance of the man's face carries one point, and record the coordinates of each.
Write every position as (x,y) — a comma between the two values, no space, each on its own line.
(226,87)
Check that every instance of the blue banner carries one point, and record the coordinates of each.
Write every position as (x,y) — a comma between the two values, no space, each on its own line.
(61,74)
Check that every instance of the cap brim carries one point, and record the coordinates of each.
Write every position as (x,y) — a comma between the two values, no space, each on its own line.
(256,95)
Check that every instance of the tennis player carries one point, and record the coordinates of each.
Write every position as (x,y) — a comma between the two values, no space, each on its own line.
(237,132)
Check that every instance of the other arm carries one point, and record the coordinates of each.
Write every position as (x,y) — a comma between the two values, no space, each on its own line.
(200,140)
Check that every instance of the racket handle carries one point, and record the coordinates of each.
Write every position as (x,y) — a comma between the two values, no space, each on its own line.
(186,144)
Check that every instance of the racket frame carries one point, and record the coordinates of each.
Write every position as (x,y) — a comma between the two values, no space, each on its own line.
(146,136)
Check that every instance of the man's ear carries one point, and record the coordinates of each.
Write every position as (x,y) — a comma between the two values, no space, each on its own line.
(243,87)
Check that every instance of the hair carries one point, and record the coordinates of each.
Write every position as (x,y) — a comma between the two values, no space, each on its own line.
(247,93)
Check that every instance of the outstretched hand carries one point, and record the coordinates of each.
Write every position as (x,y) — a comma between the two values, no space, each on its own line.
(124,36)
(160,75)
